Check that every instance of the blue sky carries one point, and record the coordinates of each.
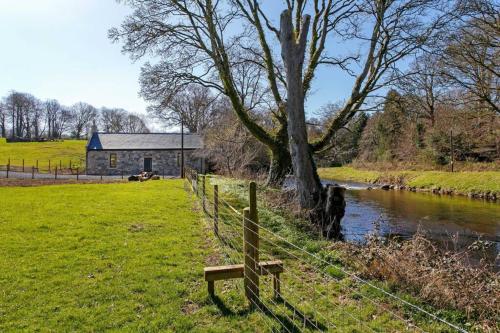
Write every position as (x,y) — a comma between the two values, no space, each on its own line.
(59,49)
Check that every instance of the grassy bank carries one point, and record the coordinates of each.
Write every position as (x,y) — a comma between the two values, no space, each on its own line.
(109,257)
(463,183)
(352,306)
(64,151)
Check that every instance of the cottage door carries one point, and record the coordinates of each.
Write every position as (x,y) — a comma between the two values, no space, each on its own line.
(148,164)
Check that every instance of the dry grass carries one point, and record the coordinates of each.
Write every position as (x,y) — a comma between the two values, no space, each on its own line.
(442,278)
(445,279)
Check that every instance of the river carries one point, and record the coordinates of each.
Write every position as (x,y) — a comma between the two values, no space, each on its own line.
(402,213)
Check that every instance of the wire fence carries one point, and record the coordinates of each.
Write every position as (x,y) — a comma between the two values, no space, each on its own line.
(19,172)
(316,293)
(64,166)
(63,171)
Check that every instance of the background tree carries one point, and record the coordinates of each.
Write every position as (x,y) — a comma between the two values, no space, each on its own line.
(230,148)
(3,120)
(82,115)
(471,52)
(424,86)
(24,113)
(194,105)
(112,120)
(345,145)
(134,124)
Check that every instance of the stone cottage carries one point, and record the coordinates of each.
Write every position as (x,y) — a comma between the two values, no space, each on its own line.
(117,153)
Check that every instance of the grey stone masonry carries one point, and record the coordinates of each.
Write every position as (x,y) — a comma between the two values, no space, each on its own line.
(131,162)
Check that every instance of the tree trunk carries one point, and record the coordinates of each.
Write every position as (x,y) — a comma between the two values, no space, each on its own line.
(324,205)
(281,166)
(281,161)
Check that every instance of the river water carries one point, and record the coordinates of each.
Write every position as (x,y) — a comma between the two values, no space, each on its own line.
(453,222)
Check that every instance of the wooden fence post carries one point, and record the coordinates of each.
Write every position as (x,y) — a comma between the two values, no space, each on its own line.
(203,193)
(77,173)
(250,249)
(8,168)
(37,166)
(216,210)
(49,167)
(60,165)
(23,164)
(33,172)
(196,182)
(55,173)
(70,164)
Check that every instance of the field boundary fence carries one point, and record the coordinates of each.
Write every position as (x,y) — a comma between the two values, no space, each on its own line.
(50,169)
(47,169)
(293,288)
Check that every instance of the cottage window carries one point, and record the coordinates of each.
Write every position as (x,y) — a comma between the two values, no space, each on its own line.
(112,160)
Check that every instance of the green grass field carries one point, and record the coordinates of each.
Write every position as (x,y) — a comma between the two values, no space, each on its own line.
(112,257)
(130,257)
(462,182)
(64,151)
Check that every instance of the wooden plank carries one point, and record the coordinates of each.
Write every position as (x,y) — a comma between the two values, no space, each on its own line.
(223,272)
(270,267)
(215,273)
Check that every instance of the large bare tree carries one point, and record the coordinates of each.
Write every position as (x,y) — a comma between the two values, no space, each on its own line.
(209,42)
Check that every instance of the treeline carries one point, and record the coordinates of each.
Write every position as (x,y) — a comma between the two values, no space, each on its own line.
(23,117)
(405,133)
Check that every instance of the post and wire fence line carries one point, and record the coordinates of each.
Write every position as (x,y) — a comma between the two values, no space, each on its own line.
(295,289)
(50,169)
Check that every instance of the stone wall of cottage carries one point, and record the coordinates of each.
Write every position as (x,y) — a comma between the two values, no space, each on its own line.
(165,162)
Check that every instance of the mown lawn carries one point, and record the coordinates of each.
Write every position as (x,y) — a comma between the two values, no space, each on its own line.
(460,182)
(109,257)
(63,151)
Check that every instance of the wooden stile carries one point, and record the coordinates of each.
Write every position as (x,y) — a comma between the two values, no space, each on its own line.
(252,268)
